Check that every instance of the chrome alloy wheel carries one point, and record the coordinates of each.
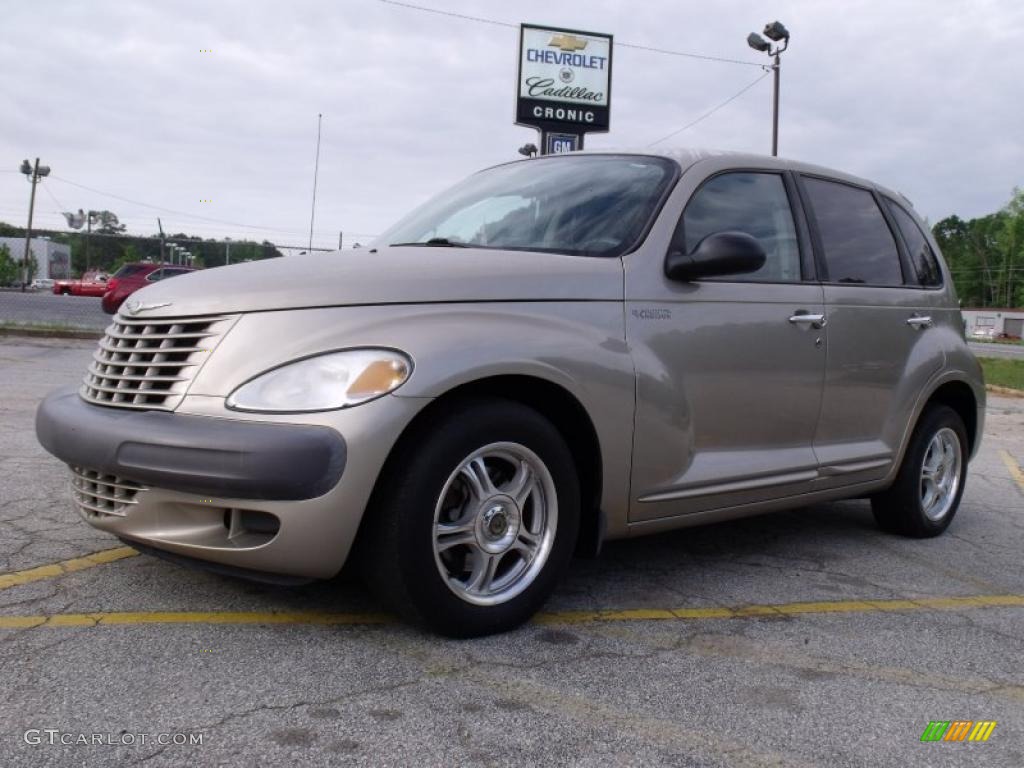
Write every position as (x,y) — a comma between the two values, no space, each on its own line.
(940,474)
(494,524)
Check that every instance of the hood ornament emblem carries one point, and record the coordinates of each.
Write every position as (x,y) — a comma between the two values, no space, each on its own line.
(135,307)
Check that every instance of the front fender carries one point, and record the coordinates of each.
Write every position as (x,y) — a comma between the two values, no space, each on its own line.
(578,346)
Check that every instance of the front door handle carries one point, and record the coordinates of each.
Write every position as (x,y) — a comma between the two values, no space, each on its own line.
(815,321)
(919,321)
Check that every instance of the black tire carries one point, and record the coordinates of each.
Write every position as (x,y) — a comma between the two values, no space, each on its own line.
(899,509)
(396,548)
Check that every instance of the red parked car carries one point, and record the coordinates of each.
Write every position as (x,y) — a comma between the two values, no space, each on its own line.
(129,278)
(91,284)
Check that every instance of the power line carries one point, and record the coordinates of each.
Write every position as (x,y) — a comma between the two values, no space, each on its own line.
(191,215)
(687,55)
(60,208)
(495,22)
(710,112)
(439,12)
(179,239)
(171,210)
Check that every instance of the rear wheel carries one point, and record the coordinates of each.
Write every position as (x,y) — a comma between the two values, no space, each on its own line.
(475,519)
(927,491)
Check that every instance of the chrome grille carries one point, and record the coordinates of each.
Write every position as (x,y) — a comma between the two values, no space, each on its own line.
(96,494)
(150,363)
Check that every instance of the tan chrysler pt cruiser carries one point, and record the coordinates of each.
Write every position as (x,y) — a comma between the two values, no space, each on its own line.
(554,353)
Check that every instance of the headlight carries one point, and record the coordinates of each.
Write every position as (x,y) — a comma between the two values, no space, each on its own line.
(325,382)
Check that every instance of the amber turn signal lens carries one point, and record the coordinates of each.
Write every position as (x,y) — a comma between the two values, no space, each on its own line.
(379,377)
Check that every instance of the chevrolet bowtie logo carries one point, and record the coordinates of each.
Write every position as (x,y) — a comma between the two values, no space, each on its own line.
(568,43)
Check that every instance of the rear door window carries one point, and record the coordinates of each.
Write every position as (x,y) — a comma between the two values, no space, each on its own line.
(753,203)
(130,269)
(859,246)
(921,254)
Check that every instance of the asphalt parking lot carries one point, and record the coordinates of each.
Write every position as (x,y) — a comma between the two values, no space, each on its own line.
(41,308)
(801,638)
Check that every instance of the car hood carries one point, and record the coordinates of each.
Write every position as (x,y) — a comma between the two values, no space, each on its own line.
(402,275)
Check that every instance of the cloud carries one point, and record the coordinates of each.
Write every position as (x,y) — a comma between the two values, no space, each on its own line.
(121,97)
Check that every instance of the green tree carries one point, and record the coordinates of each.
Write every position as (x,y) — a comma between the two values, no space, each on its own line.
(10,273)
(1011,243)
(986,255)
(108,223)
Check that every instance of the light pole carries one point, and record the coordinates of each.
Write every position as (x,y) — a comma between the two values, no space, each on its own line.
(227,251)
(33,174)
(777,33)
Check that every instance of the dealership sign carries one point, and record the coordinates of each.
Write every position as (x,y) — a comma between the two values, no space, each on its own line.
(565,80)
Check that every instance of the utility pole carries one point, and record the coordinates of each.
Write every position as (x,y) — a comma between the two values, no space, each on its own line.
(227,251)
(316,170)
(160,226)
(88,236)
(34,174)
(340,236)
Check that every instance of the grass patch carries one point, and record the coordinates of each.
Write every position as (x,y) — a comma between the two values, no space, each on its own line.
(1003,372)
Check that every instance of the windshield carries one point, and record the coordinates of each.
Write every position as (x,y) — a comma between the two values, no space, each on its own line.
(592,205)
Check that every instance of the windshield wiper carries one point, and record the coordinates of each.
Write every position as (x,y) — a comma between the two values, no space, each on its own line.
(441,242)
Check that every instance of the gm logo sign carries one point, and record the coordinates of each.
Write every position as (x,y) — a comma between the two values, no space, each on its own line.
(560,143)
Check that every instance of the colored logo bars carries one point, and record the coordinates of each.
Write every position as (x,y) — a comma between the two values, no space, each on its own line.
(958,730)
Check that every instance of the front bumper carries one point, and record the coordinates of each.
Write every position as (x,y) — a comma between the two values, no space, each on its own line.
(194,454)
(254,495)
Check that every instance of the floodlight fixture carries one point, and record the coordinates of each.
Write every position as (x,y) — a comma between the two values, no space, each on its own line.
(757,42)
(776,31)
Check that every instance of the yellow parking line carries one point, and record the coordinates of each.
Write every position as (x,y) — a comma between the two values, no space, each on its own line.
(549,617)
(17,578)
(782,609)
(1015,471)
(192,617)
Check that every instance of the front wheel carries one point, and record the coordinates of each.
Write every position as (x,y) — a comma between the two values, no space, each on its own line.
(928,487)
(475,519)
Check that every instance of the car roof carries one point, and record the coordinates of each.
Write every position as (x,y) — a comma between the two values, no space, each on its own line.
(152,265)
(686,157)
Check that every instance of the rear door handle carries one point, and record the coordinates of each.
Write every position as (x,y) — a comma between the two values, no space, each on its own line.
(815,321)
(919,321)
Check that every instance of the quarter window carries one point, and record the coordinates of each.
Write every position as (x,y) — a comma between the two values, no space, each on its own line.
(859,246)
(753,203)
(921,254)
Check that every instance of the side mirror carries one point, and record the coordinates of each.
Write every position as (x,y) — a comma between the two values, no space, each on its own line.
(718,254)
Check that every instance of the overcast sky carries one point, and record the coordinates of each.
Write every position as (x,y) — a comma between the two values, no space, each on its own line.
(924,97)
